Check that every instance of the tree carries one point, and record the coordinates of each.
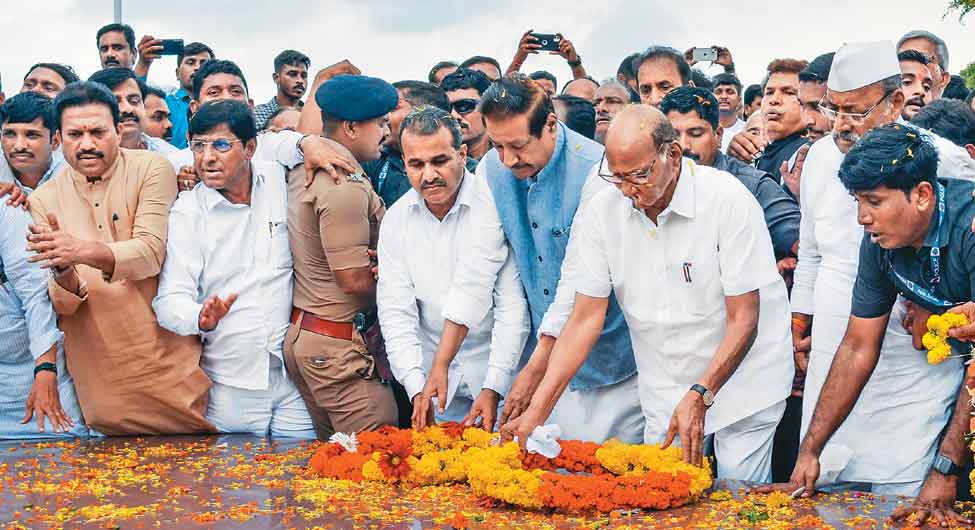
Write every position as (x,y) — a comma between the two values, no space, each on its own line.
(963,6)
(968,74)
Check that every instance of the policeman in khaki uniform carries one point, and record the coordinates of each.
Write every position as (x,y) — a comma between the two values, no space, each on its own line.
(331,227)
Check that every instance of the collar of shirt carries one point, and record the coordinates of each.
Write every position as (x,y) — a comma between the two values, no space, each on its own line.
(181,94)
(773,148)
(213,198)
(682,203)
(465,197)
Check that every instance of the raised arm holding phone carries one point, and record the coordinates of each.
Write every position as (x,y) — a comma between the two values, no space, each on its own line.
(554,43)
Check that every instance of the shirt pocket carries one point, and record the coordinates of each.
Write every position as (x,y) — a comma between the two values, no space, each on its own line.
(280,246)
(697,283)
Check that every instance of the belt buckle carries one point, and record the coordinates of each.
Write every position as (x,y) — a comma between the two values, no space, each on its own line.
(359,322)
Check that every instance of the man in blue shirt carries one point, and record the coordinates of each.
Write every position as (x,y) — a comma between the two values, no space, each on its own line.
(918,242)
(194,55)
(527,191)
(31,355)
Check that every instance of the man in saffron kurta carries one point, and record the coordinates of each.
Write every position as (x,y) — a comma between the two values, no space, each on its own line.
(100,226)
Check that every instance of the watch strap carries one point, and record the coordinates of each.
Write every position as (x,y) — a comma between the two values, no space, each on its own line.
(705,393)
(45,367)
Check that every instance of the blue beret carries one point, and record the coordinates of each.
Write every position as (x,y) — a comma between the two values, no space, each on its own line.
(356,97)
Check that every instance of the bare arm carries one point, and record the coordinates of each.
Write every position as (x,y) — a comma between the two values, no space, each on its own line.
(356,282)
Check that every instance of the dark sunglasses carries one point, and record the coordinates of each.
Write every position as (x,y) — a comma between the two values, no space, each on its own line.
(464,106)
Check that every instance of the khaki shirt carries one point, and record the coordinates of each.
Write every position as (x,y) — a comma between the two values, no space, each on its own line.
(132,376)
(331,226)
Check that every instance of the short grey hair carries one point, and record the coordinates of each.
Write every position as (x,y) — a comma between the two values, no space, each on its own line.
(427,120)
(940,48)
(613,82)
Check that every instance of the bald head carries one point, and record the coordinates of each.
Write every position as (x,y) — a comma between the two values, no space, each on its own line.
(641,127)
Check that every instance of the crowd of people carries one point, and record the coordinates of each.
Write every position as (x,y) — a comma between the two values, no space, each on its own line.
(661,257)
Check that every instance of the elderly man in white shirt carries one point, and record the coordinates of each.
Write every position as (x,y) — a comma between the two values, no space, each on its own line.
(420,242)
(227,277)
(686,251)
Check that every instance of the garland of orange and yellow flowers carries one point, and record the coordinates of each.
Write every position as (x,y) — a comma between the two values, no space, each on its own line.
(617,476)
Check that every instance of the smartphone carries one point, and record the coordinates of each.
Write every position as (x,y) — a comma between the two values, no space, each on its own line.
(549,41)
(172,47)
(704,54)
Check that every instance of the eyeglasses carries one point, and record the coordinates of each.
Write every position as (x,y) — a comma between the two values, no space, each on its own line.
(639,177)
(222,145)
(833,114)
(464,106)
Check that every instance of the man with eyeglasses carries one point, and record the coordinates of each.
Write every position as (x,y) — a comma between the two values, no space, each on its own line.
(388,173)
(527,190)
(464,88)
(227,276)
(686,252)
(863,92)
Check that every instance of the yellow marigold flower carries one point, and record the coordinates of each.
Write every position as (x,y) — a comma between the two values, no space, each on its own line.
(939,353)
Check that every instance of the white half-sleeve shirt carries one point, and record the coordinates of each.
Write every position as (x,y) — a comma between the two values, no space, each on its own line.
(671,281)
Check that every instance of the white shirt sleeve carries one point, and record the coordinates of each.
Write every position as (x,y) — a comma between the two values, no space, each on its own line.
(175,304)
(807,267)
(745,256)
(281,146)
(470,295)
(510,329)
(399,317)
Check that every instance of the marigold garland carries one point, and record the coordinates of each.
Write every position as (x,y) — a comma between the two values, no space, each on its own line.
(612,475)
(936,339)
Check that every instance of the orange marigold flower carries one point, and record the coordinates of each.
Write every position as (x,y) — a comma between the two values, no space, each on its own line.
(459,521)
(452,429)
(393,462)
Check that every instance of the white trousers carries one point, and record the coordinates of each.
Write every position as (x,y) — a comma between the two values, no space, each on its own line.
(278,411)
(601,413)
(743,449)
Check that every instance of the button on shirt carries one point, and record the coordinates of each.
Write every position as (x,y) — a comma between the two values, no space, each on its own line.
(219,248)
(671,280)
(419,254)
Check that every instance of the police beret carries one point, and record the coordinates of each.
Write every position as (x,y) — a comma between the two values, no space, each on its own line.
(356,97)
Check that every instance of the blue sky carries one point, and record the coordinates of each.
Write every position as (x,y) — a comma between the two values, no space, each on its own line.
(401,39)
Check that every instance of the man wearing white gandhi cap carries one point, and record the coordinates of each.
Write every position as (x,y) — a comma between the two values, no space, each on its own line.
(873,421)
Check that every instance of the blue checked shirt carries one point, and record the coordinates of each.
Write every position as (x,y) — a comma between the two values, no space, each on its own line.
(28,329)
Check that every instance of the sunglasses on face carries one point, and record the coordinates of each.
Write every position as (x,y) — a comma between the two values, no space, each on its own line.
(464,106)
(222,145)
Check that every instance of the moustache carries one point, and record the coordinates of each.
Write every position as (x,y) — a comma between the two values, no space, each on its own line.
(300,87)
(846,136)
(438,183)
(603,115)
(20,152)
(111,60)
(916,101)
(91,153)
(128,116)
(692,155)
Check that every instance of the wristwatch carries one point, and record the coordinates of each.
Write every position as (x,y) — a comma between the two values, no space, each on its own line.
(706,394)
(944,465)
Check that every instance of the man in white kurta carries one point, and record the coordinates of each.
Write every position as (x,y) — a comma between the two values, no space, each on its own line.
(672,279)
(903,385)
(418,255)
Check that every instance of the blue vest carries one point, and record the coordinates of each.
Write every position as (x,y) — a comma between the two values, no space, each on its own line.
(536,216)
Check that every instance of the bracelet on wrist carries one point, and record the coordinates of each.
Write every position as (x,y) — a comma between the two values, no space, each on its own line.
(577,62)
(45,367)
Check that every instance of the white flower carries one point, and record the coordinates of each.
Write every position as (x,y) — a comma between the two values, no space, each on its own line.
(347,441)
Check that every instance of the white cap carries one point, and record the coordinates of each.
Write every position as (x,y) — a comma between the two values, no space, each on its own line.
(859,64)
